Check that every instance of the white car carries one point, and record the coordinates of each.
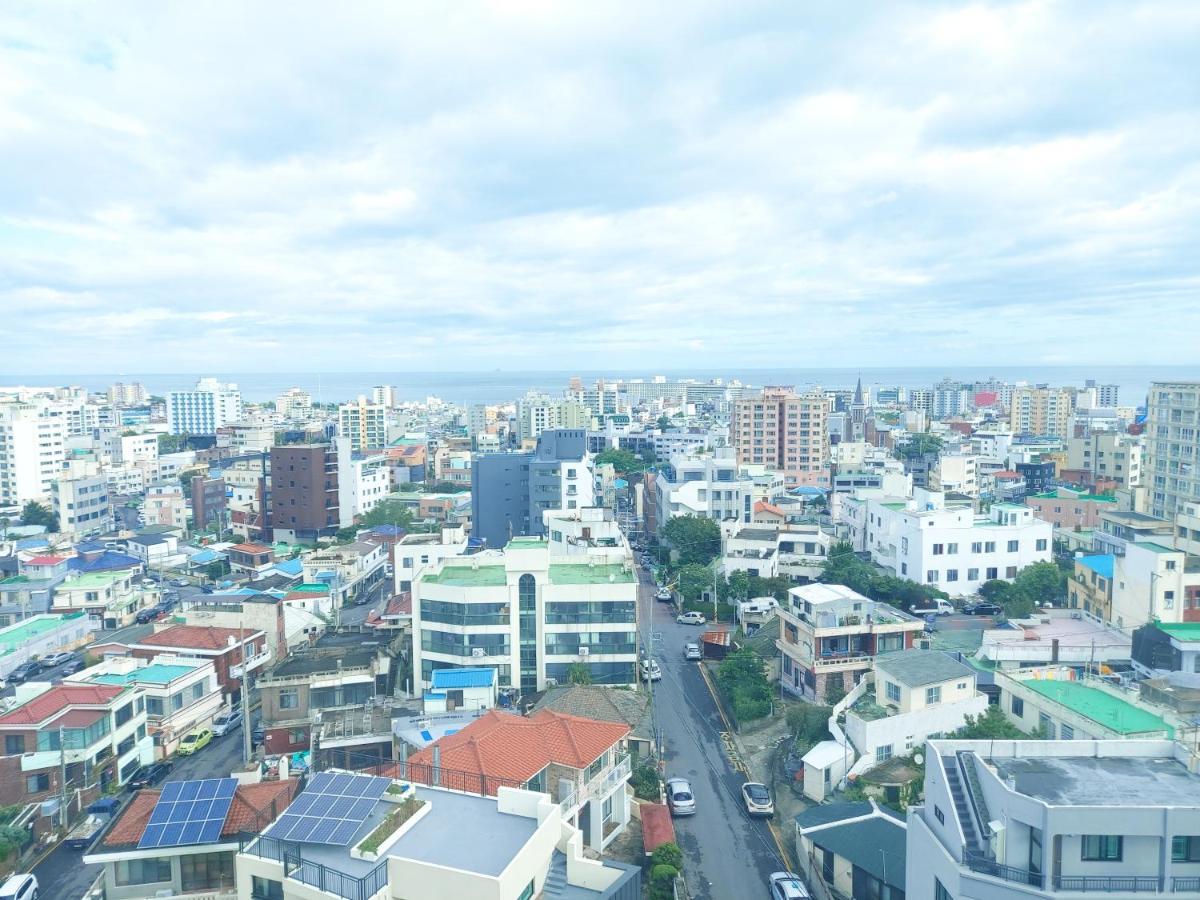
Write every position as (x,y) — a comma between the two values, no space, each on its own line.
(691,651)
(663,595)
(20,887)
(651,671)
(691,618)
(758,799)
(680,798)
(788,886)
(226,721)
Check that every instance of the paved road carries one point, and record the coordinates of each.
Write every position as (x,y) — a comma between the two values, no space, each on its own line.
(727,853)
(356,615)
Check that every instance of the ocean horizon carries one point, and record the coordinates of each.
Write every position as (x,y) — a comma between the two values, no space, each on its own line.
(502,385)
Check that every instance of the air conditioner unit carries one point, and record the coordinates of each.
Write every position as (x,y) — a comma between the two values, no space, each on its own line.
(584,651)
(477,653)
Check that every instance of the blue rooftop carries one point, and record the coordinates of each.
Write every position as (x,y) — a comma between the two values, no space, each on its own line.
(1101,564)
(108,561)
(388,531)
(290,567)
(32,543)
(205,556)
(456,679)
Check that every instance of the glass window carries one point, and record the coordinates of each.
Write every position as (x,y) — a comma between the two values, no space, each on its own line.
(265,888)
(156,870)
(1013,546)
(527,894)
(207,871)
(1101,848)
(289,698)
(35,784)
(14,744)
(940,892)
(1185,848)
(893,691)
(933,695)
(1018,707)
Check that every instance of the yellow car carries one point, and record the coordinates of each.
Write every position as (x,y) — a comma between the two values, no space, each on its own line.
(193,742)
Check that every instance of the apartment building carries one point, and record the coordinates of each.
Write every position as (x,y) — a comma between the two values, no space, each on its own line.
(211,405)
(537,413)
(830,636)
(1172,465)
(181,693)
(32,452)
(784,431)
(714,486)
(132,393)
(1055,819)
(797,552)
(1117,529)
(931,541)
(531,612)
(1108,455)
(294,404)
(413,553)
(111,599)
(81,504)
(1067,508)
(509,843)
(364,423)
(955,473)
(165,505)
(1154,581)
(307,498)
(96,734)
(1042,411)
(351,570)
(208,502)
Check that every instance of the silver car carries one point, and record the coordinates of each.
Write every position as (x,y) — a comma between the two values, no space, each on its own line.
(691,651)
(787,886)
(680,798)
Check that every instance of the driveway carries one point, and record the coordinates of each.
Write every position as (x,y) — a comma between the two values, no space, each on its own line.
(727,853)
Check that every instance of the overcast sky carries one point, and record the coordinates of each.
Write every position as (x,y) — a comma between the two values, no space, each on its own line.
(387,186)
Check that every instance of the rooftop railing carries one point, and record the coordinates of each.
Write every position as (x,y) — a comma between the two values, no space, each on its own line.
(1107,884)
(985,866)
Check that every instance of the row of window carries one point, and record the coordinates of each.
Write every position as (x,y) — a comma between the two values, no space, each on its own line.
(950,549)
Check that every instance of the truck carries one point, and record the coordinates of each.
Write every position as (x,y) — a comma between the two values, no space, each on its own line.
(99,813)
(932,608)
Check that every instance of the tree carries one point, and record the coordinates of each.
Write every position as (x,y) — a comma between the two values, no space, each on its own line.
(808,723)
(992,723)
(842,566)
(579,673)
(649,457)
(35,513)
(920,445)
(736,587)
(172,443)
(185,480)
(389,512)
(662,882)
(215,570)
(693,538)
(4,523)
(667,854)
(995,591)
(693,580)
(645,781)
(663,423)
(776,587)
(1040,582)
(623,461)
(835,691)
(743,680)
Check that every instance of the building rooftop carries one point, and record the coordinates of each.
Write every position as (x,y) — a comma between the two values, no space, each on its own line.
(199,637)
(1101,707)
(1128,517)
(44,561)
(585,573)
(877,845)
(1102,781)
(467,576)
(1184,631)
(917,668)
(23,632)
(1101,563)
(155,673)
(826,813)
(606,704)
(454,679)
(59,698)
(92,580)
(527,543)
(1154,547)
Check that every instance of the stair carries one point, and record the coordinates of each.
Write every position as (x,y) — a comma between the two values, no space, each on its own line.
(962,806)
(556,879)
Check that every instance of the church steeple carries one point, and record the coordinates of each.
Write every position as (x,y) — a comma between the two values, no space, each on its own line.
(858,394)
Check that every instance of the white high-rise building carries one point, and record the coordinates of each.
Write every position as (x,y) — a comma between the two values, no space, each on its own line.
(365,424)
(130,393)
(294,403)
(384,395)
(32,451)
(82,504)
(203,410)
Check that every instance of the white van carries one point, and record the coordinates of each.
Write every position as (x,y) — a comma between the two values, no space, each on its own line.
(933,607)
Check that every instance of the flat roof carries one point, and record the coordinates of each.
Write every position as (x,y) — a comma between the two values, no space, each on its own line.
(92,580)
(583,573)
(1154,547)
(1101,707)
(1184,631)
(467,576)
(1102,781)
(24,632)
(156,673)
(1100,563)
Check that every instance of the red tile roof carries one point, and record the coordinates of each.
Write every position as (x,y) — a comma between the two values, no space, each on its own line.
(44,561)
(399,605)
(657,827)
(198,637)
(764,506)
(306,596)
(254,806)
(59,698)
(1006,473)
(251,548)
(507,748)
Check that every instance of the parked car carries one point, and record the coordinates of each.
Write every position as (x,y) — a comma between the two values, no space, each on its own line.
(206,589)
(20,887)
(691,651)
(932,607)
(982,609)
(24,672)
(691,618)
(663,595)
(180,582)
(758,799)
(50,660)
(84,834)
(149,614)
(226,721)
(256,736)
(680,798)
(651,670)
(73,665)
(196,740)
(148,776)
(788,886)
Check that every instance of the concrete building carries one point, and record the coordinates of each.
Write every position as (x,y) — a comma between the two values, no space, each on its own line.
(1042,411)
(1118,529)
(537,413)
(307,500)
(351,570)
(714,487)
(208,502)
(131,393)
(1155,581)
(1172,467)
(1055,819)
(111,599)
(369,479)
(955,473)
(856,849)
(365,424)
(413,553)
(797,552)
(32,452)
(1061,705)
(294,404)
(784,431)
(830,636)
(39,634)
(1108,455)
(203,410)
(530,613)
(946,545)
(165,505)
(1067,508)
(81,505)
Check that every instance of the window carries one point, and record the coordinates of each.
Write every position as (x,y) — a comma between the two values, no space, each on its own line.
(142,871)
(297,735)
(972,574)
(989,546)
(940,892)
(1010,572)
(14,744)
(1101,848)
(1185,848)
(931,575)
(527,894)
(939,815)
(952,574)
(207,871)
(938,549)
(933,695)
(124,714)
(893,691)
(265,888)
(883,753)
(35,784)
(289,698)
(1018,707)
(977,546)
(1040,544)
(1014,546)
(1066,732)
(1047,725)
(951,548)
(992,573)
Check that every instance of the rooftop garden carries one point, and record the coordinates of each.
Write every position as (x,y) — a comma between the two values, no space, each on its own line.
(390,825)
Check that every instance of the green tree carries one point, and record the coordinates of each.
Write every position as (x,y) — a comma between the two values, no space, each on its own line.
(919,445)
(579,673)
(992,723)
(623,461)
(1040,582)
(4,523)
(667,854)
(693,580)
(216,570)
(693,538)
(645,781)
(808,723)
(172,443)
(662,882)
(185,480)
(995,591)
(34,513)
(842,566)
(776,587)
(835,691)
(389,512)
(663,423)
(736,587)
(649,457)
(742,678)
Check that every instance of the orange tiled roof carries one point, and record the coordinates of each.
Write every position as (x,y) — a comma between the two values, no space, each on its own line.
(59,698)
(399,605)
(657,827)
(251,548)
(198,637)
(764,506)
(132,822)
(512,748)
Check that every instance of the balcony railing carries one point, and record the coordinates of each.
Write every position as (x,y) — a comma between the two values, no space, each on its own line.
(839,659)
(606,781)
(316,875)
(1185,883)
(1132,884)
(985,866)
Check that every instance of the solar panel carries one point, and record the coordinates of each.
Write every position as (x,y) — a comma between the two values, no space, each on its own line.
(333,806)
(189,812)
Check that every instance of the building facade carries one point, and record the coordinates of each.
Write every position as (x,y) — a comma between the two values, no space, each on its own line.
(203,410)
(785,431)
(1172,468)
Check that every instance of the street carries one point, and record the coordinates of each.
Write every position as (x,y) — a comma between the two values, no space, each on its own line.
(726,853)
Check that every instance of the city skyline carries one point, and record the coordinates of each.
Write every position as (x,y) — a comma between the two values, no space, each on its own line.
(598,186)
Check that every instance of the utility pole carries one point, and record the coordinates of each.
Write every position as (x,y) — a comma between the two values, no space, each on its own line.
(62,776)
(246,711)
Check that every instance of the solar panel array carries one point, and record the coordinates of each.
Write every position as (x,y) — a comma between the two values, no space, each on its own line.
(333,806)
(189,812)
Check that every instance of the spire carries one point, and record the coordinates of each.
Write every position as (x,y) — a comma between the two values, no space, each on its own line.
(858,394)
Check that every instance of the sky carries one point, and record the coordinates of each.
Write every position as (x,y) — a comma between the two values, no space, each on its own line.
(227,186)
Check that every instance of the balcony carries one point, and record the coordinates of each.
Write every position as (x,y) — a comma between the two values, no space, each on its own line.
(603,783)
(833,660)
(1108,884)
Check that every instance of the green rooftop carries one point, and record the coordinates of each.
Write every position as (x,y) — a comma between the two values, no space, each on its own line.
(1101,707)
(16,579)
(23,632)
(900,505)
(155,673)
(1153,547)
(1185,631)
(468,576)
(93,580)
(582,573)
(1095,498)
(526,543)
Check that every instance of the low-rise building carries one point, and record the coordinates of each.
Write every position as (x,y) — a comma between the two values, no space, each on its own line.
(1022,820)
(1052,636)
(250,559)
(1160,648)
(1066,508)
(1119,528)
(595,701)
(41,634)
(1152,581)
(165,505)
(154,550)
(857,849)
(1061,705)
(1091,586)
(796,552)
(830,636)
(112,599)
(351,570)
(81,504)
(713,487)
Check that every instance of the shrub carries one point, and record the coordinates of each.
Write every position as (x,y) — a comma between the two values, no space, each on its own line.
(388,826)
(662,881)
(646,782)
(667,854)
